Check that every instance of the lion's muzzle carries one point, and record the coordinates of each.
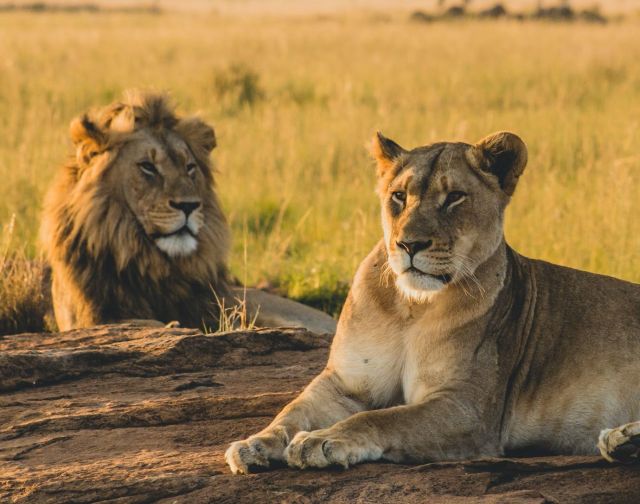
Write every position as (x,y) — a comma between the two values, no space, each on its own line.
(176,231)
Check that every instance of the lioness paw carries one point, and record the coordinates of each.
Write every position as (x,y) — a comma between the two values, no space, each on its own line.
(256,451)
(305,450)
(242,455)
(621,444)
(321,449)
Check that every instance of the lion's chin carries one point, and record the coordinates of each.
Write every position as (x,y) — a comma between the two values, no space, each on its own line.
(418,287)
(177,245)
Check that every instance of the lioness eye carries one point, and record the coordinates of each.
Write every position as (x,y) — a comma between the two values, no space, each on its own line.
(148,168)
(399,196)
(454,197)
(191,169)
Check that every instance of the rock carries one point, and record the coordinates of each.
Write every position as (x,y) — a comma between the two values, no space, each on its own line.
(130,415)
(277,311)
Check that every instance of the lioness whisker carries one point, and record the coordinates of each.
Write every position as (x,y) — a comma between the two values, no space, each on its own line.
(468,273)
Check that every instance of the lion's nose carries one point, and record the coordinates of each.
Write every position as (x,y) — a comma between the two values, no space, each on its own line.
(186,206)
(412,248)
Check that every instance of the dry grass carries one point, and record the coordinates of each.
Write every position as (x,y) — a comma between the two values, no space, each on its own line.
(294,102)
(234,315)
(24,302)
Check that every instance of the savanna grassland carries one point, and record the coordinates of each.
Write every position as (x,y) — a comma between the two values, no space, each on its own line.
(295,100)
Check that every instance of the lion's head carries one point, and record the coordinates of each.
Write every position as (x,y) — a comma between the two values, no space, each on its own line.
(137,201)
(155,167)
(443,207)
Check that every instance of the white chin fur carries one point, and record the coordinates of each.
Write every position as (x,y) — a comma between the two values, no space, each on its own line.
(418,288)
(177,245)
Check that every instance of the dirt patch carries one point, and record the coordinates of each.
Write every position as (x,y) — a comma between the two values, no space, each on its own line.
(129,415)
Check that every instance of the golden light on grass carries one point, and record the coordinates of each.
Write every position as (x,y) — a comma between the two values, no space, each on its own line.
(294,101)
(24,303)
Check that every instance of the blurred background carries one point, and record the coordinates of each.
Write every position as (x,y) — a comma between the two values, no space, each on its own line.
(295,90)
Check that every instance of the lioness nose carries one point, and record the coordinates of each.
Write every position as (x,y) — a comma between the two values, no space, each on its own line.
(186,206)
(412,248)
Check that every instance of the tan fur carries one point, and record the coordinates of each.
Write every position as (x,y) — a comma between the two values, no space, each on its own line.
(478,351)
(107,224)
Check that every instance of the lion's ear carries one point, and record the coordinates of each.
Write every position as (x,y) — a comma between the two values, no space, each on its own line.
(503,155)
(88,139)
(198,134)
(385,151)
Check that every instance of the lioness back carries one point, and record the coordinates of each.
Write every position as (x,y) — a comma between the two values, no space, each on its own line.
(581,359)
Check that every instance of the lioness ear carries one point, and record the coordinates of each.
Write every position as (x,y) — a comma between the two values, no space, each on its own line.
(198,134)
(385,151)
(503,155)
(87,137)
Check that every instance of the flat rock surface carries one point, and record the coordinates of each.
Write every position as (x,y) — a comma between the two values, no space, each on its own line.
(124,414)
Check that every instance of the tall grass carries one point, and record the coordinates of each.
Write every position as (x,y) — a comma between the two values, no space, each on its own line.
(24,301)
(294,101)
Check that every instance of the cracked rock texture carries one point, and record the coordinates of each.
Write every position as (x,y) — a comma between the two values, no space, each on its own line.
(125,414)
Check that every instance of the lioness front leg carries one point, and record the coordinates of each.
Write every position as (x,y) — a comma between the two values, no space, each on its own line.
(321,404)
(437,429)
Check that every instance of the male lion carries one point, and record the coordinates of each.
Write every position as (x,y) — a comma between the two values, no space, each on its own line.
(133,228)
(452,345)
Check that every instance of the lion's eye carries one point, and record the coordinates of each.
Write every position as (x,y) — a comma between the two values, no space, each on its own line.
(148,168)
(191,169)
(399,197)
(453,198)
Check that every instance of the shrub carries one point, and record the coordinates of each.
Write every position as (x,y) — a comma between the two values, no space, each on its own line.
(239,86)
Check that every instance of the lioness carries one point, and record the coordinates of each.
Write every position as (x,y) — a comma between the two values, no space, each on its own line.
(451,345)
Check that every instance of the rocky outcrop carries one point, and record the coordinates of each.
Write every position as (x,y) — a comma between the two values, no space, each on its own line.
(125,414)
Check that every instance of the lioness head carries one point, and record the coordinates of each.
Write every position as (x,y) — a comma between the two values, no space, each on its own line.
(158,163)
(443,207)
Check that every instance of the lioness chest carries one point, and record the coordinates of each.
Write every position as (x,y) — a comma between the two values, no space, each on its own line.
(393,363)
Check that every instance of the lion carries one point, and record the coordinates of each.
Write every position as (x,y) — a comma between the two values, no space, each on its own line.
(134,231)
(451,345)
